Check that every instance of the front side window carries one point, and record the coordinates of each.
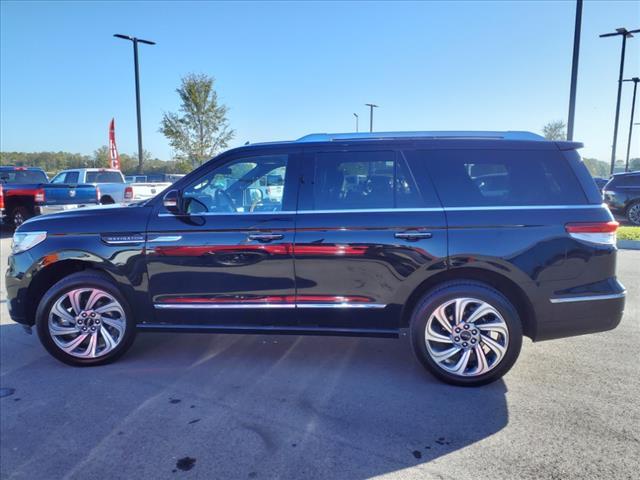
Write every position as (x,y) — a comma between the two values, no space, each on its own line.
(468,178)
(362,180)
(247,185)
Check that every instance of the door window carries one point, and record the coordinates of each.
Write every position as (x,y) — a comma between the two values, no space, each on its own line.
(59,178)
(362,180)
(246,185)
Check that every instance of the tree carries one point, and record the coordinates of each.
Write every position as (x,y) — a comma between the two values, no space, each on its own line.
(596,167)
(201,128)
(555,130)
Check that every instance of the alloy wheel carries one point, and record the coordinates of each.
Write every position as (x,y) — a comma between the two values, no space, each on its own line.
(18,218)
(87,323)
(634,214)
(466,337)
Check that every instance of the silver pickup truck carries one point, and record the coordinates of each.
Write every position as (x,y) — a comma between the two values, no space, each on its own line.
(110,182)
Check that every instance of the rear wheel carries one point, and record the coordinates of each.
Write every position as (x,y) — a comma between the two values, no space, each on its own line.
(633,213)
(19,215)
(84,320)
(466,333)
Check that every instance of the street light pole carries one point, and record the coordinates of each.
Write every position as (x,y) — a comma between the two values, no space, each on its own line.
(135,42)
(371,107)
(624,33)
(574,70)
(356,115)
(635,81)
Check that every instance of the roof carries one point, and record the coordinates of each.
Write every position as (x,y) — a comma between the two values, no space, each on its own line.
(508,135)
(13,167)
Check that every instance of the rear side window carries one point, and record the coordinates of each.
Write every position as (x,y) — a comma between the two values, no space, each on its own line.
(104,177)
(467,178)
(362,180)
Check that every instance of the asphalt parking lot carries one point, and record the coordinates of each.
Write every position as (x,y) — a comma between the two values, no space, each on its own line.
(228,406)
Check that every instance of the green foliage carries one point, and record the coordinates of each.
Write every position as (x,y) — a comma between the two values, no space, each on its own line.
(629,233)
(53,162)
(200,129)
(597,168)
(555,130)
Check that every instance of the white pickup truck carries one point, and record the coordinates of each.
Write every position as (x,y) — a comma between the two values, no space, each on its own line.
(109,181)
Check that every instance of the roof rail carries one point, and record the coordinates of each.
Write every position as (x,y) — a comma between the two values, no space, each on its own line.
(336,137)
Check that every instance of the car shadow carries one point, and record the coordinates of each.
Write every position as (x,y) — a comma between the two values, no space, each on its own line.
(238,406)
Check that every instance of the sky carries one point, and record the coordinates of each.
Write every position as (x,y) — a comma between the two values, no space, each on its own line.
(286,69)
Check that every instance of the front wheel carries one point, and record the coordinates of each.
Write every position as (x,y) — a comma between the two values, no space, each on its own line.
(466,333)
(84,320)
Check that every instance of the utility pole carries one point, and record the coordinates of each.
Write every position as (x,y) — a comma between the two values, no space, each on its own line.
(574,70)
(357,117)
(624,33)
(371,107)
(135,42)
(635,81)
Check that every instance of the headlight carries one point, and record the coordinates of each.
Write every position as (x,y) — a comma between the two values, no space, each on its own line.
(23,241)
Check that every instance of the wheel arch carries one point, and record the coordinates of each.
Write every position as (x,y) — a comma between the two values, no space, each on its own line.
(514,293)
(50,274)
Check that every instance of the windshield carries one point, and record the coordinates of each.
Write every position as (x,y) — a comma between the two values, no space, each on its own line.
(104,177)
(23,176)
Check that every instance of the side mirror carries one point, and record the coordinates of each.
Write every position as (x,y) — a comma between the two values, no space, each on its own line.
(171,201)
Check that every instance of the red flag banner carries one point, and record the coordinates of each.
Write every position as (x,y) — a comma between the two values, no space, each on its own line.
(114,158)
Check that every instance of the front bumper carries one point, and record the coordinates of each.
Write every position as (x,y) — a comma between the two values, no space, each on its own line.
(17,281)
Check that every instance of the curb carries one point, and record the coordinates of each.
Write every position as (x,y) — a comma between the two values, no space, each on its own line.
(629,244)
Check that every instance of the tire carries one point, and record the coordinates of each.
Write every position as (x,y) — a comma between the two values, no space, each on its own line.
(633,213)
(112,324)
(19,215)
(493,340)
(106,200)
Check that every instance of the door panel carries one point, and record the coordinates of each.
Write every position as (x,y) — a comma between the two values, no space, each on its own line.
(226,268)
(356,266)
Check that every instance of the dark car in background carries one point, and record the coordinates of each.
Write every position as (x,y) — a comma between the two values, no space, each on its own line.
(466,241)
(622,195)
(600,182)
(26,191)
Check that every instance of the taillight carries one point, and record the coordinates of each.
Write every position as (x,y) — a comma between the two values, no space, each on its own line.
(39,196)
(98,194)
(1,197)
(128,193)
(597,232)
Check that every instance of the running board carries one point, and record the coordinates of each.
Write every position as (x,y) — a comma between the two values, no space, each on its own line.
(270,330)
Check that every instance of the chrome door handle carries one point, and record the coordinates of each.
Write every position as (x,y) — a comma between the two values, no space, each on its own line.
(413,236)
(266,237)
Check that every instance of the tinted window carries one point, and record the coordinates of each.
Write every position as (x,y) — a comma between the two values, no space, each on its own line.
(362,180)
(467,178)
(240,186)
(104,177)
(72,177)
(626,181)
(22,176)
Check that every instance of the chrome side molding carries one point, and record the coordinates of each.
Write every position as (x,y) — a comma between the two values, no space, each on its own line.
(588,298)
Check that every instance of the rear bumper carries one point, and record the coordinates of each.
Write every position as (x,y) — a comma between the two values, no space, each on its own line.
(45,209)
(581,314)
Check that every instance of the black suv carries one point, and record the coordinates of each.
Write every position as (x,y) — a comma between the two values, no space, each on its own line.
(467,241)
(622,194)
